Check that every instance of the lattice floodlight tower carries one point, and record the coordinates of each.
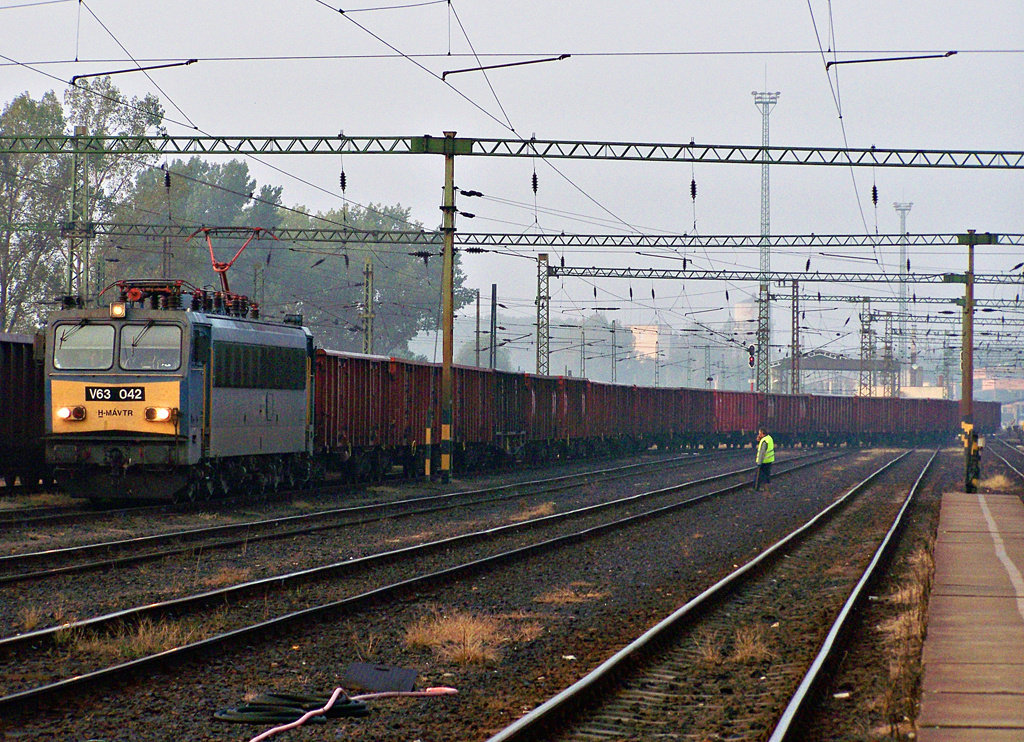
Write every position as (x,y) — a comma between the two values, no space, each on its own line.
(766,102)
(903,209)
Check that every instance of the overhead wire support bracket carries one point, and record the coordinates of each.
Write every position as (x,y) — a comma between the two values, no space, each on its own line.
(888,59)
(74,80)
(508,64)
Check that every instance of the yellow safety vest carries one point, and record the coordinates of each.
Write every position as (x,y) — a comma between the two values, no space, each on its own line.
(768,456)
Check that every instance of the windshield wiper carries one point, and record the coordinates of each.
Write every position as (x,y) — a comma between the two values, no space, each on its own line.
(71,331)
(138,338)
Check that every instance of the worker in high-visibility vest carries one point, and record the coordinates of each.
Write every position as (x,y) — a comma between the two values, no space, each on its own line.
(765,457)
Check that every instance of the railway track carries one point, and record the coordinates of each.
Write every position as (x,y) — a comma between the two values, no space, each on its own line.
(125,552)
(327,590)
(1011,456)
(671,680)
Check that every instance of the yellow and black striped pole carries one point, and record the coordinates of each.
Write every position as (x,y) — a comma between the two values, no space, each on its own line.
(447,305)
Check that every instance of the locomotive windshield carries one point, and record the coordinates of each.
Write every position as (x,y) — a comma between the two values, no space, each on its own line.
(83,346)
(150,347)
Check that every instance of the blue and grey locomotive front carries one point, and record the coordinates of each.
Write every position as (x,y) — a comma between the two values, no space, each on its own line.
(167,394)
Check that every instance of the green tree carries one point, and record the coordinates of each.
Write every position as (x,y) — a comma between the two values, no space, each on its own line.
(99,107)
(31,192)
(193,193)
(325,282)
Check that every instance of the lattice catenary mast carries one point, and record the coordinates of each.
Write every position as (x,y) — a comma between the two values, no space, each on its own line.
(903,209)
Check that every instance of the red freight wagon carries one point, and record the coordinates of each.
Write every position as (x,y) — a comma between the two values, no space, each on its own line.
(353,394)
(21,411)
(473,413)
(698,410)
(736,417)
(987,417)
(607,415)
(372,412)
(543,408)
(787,418)
(512,410)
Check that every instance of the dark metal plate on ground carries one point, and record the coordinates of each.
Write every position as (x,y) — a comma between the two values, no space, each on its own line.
(379,678)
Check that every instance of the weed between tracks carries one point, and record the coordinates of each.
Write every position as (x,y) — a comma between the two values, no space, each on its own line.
(903,636)
(141,639)
(37,500)
(748,644)
(577,592)
(538,511)
(228,576)
(998,483)
(469,638)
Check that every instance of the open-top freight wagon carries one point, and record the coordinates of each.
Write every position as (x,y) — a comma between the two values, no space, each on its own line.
(373,412)
(21,411)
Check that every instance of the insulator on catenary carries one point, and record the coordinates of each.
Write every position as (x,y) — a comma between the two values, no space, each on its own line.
(874,195)
(167,179)
(533,181)
(342,181)
(693,189)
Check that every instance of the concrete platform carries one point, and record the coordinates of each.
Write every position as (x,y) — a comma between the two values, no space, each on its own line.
(973,688)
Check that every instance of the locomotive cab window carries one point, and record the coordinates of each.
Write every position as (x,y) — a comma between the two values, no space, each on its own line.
(150,347)
(83,347)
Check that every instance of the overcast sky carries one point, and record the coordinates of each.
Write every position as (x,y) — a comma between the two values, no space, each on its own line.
(641,71)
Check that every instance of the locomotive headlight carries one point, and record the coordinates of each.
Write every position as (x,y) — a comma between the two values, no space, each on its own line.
(71,413)
(160,414)
(117,310)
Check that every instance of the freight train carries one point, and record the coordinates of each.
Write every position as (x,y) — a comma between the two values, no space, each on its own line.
(173,392)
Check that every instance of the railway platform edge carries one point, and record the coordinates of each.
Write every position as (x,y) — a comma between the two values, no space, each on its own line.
(973,657)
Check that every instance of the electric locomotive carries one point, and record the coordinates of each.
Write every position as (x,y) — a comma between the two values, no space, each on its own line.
(174,392)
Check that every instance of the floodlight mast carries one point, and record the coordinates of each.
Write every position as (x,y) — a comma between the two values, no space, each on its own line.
(766,102)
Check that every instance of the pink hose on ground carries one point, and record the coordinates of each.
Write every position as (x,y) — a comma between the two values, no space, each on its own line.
(437,691)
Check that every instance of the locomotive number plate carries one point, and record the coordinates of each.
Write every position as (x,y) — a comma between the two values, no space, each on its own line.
(115,394)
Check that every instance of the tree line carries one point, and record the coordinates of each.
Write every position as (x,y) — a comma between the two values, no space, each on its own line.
(322,281)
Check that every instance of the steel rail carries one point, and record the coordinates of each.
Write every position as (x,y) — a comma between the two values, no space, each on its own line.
(447,500)
(535,724)
(54,516)
(58,690)
(1006,461)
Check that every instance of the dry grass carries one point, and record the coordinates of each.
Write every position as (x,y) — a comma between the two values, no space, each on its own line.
(999,482)
(227,576)
(413,538)
(140,640)
(538,511)
(750,645)
(468,638)
(366,648)
(29,618)
(37,500)
(708,647)
(903,634)
(577,592)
